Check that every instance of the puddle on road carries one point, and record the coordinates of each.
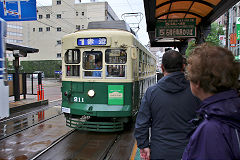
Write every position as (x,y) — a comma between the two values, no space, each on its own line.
(15,125)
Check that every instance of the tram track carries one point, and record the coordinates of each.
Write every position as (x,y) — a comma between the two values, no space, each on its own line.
(53,144)
(81,145)
(21,122)
(90,145)
(33,140)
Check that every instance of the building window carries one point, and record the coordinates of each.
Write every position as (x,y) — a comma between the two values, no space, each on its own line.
(58,55)
(59,29)
(47,15)
(14,26)
(59,42)
(58,2)
(82,13)
(59,16)
(82,26)
(76,13)
(40,16)
(47,28)
(78,27)
(40,29)
(33,29)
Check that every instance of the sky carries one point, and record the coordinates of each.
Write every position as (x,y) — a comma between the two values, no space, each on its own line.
(120,7)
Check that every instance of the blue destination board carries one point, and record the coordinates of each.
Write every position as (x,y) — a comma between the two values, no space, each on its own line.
(91,41)
(18,10)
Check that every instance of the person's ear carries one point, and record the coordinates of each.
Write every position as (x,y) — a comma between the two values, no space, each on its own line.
(162,68)
(183,67)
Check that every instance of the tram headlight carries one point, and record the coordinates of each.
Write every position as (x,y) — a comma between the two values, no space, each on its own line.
(91,93)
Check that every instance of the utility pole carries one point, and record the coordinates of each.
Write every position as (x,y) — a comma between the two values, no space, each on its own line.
(227,26)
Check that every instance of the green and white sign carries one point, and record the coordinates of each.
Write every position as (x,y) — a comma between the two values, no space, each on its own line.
(237,58)
(174,28)
(238,28)
(115,94)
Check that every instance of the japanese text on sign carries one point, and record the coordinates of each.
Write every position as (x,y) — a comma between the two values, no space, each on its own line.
(176,28)
(91,41)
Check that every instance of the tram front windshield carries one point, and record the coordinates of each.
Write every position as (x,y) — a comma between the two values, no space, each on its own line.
(92,63)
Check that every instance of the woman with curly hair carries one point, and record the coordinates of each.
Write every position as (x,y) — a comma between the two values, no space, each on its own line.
(213,75)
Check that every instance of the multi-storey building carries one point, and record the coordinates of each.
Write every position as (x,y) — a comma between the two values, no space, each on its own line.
(14,36)
(63,17)
(234,12)
(55,21)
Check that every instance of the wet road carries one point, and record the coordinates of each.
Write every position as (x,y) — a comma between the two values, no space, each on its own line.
(31,141)
(28,143)
(81,145)
(84,145)
(28,118)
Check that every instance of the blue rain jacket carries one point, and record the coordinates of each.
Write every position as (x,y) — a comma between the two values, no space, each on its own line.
(217,137)
(166,109)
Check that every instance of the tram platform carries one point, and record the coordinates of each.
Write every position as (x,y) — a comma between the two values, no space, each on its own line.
(31,101)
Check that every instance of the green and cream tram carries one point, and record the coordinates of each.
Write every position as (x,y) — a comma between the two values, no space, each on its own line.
(105,72)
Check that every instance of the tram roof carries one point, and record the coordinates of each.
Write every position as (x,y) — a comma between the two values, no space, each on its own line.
(119,24)
(205,11)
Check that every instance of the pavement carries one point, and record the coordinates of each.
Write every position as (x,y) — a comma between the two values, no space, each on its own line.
(52,92)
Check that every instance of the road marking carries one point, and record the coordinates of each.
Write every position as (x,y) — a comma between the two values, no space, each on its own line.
(55,100)
(134,151)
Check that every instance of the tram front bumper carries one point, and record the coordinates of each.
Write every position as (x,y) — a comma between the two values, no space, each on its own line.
(101,110)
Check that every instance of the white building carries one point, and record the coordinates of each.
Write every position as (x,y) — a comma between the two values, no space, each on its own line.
(53,22)
(14,35)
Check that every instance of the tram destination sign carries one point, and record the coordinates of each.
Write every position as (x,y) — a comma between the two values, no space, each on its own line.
(91,41)
(174,28)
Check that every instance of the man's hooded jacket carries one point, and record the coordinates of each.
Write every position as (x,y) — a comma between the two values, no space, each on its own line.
(166,109)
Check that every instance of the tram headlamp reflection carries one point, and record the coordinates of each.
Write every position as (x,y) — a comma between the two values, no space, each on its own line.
(91,93)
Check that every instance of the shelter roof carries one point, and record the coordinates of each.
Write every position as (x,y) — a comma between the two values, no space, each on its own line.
(205,11)
(12,47)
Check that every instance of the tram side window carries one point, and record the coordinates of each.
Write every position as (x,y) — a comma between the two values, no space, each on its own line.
(140,63)
(118,57)
(92,60)
(72,58)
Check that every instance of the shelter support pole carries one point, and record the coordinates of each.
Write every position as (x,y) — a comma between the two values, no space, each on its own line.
(203,29)
(183,47)
(16,80)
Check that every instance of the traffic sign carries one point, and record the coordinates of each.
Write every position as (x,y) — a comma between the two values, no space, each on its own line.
(18,10)
(10,77)
(238,28)
(58,72)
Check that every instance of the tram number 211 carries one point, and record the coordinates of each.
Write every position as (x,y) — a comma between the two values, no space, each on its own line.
(78,99)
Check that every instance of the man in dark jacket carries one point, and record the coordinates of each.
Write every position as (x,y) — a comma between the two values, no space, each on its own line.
(162,125)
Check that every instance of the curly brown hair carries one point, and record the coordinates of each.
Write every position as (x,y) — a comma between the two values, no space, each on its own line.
(214,68)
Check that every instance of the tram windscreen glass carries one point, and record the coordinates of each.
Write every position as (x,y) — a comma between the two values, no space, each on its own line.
(116,56)
(92,60)
(115,71)
(72,70)
(72,56)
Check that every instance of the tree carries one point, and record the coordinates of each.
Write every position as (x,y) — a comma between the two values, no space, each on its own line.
(191,46)
(212,38)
